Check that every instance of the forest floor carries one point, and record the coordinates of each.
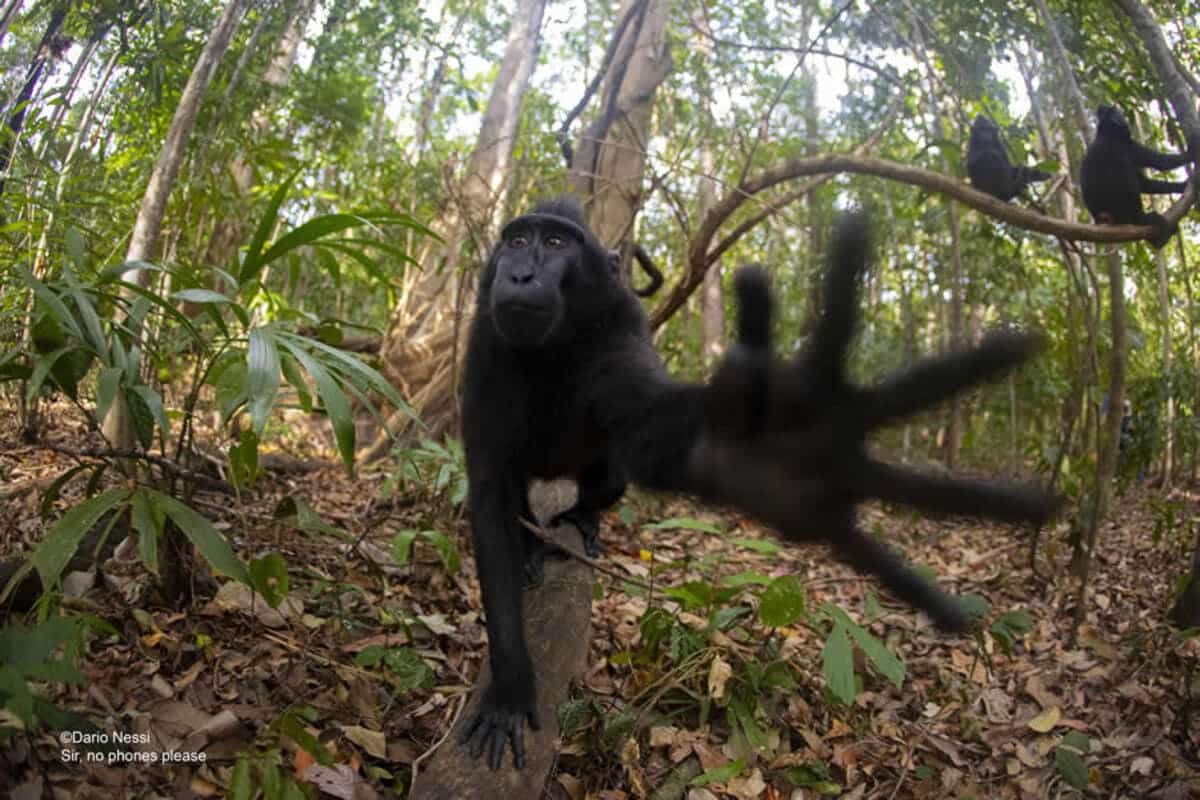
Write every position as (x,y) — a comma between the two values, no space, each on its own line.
(969,720)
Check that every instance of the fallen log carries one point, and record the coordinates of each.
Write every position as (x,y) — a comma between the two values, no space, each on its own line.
(558,628)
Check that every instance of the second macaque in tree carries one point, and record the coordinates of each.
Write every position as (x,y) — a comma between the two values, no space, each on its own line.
(989,167)
(1113,180)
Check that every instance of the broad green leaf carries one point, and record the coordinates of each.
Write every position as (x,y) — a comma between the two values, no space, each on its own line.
(76,248)
(351,364)
(52,301)
(747,579)
(41,368)
(838,661)
(147,520)
(295,727)
(310,232)
(884,660)
(155,405)
(446,549)
(253,262)
(684,523)
(262,377)
(107,384)
(93,332)
(52,491)
(207,539)
(334,399)
(402,544)
(1069,759)
(141,415)
(269,577)
(201,296)
(722,774)
(758,545)
(291,374)
(51,556)
(783,602)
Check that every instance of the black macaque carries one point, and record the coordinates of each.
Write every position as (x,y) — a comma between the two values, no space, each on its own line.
(1113,182)
(562,380)
(989,167)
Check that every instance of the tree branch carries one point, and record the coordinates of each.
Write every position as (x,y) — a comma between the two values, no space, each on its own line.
(902,173)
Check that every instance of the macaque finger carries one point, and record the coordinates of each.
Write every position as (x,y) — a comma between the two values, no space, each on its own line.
(1007,502)
(932,380)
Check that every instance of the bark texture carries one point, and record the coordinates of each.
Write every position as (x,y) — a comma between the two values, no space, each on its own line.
(558,628)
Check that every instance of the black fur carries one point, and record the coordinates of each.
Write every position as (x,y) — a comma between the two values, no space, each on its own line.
(989,167)
(1113,180)
(562,380)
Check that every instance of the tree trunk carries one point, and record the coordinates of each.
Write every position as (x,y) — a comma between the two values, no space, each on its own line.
(229,232)
(421,350)
(68,93)
(20,106)
(64,169)
(1164,301)
(1109,441)
(1178,92)
(8,15)
(954,420)
(144,241)
(712,299)
(610,156)
(147,229)
(1083,119)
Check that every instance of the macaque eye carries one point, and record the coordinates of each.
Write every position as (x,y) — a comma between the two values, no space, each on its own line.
(518,240)
(554,240)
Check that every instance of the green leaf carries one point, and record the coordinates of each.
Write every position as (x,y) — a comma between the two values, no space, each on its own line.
(1069,759)
(262,376)
(18,699)
(783,602)
(352,365)
(200,296)
(107,384)
(53,490)
(334,399)
(148,521)
(154,404)
(211,544)
(141,416)
(291,374)
(76,248)
(692,595)
(252,263)
(52,302)
(446,549)
(51,556)
(294,726)
(310,232)
(722,774)
(758,545)
(243,459)
(41,368)
(747,579)
(402,544)
(684,523)
(269,576)
(92,330)
(876,651)
(838,660)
